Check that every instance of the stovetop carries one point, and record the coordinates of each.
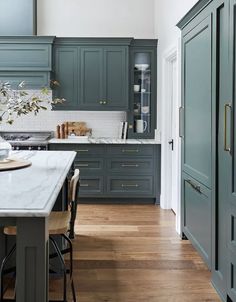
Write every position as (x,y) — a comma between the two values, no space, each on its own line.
(27,138)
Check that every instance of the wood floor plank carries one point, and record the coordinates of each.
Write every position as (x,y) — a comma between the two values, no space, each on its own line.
(132,253)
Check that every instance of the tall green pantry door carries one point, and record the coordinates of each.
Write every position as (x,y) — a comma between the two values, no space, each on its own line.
(196,133)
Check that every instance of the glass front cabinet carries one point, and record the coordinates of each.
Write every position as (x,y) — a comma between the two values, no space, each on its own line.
(143,89)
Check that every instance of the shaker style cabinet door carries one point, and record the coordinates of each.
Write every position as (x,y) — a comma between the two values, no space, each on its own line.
(91,78)
(66,73)
(115,79)
(104,78)
(197,99)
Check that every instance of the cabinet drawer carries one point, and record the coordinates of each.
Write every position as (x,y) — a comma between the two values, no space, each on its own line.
(91,185)
(196,204)
(130,150)
(89,165)
(81,149)
(142,186)
(128,165)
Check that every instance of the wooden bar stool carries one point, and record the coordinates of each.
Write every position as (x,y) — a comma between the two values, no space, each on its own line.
(60,224)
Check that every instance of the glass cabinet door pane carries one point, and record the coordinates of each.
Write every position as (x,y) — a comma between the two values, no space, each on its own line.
(142,93)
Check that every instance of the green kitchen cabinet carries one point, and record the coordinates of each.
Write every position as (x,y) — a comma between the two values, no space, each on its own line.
(91,77)
(94,73)
(111,173)
(104,78)
(26,58)
(197,101)
(143,93)
(66,73)
(197,220)
(208,138)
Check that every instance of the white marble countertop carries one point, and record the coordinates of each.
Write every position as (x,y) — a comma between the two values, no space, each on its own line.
(32,191)
(104,140)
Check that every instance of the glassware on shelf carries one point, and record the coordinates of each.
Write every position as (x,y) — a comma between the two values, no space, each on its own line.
(142,93)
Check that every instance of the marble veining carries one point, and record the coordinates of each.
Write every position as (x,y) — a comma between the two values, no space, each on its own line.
(105,140)
(32,191)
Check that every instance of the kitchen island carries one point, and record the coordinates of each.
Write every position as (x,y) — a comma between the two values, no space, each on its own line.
(27,197)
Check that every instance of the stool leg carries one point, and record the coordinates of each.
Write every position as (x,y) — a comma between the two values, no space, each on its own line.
(63,265)
(4,262)
(71,266)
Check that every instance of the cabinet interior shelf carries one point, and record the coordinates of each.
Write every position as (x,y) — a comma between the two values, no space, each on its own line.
(142,71)
(146,92)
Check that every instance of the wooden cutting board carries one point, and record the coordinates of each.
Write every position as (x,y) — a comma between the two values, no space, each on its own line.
(13,164)
(79,128)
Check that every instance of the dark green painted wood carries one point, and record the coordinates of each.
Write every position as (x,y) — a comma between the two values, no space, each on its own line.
(198,7)
(18,18)
(103,74)
(115,77)
(66,72)
(104,168)
(32,270)
(228,171)
(91,78)
(135,186)
(25,57)
(131,165)
(91,186)
(197,218)
(197,94)
(221,41)
(89,166)
(130,150)
(150,48)
(220,11)
(33,80)
(95,42)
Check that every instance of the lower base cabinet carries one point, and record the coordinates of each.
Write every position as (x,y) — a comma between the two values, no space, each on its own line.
(196,213)
(113,172)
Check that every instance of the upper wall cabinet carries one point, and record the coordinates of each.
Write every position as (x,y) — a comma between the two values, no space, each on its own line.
(143,94)
(93,73)
(26,58)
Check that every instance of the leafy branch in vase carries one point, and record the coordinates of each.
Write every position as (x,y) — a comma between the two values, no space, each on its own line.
(18,102)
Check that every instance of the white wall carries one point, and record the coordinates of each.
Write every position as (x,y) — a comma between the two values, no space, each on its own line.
(96,18)
(167,14)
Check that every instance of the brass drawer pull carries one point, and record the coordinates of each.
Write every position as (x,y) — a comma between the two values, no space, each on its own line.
(181,121)
(84,185)
(81,150)
(82,165)
(130,186)
(195,187)
(129,166)
(226,147)
(130,150)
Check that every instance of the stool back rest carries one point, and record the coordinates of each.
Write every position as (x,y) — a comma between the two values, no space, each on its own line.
(73,200)
(74,186)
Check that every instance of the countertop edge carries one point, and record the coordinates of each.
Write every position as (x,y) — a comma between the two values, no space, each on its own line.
(51,201)
(106,141)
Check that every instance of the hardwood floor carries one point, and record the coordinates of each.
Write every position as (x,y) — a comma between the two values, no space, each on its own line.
(129,253)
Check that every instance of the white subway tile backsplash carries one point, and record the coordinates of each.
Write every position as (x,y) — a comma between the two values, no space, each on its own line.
(103,124)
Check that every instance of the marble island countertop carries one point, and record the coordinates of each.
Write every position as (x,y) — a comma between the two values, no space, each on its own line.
(104,140)
(32,191)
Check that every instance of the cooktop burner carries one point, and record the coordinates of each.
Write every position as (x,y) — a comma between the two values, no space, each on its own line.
(31,140)
(14,137)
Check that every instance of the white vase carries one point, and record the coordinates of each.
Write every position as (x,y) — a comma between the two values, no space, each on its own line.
(5,149)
